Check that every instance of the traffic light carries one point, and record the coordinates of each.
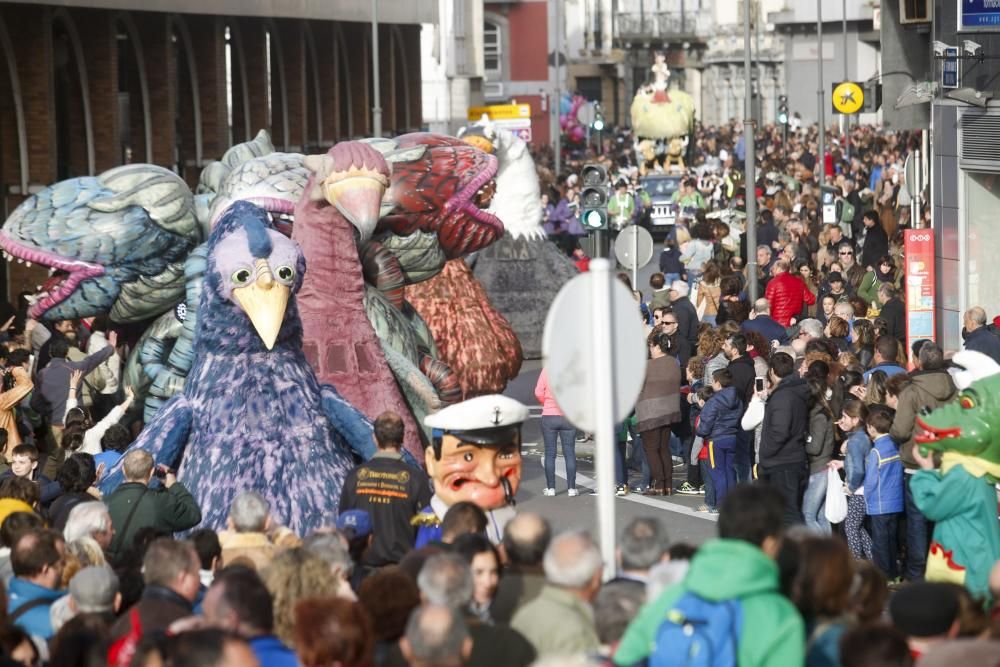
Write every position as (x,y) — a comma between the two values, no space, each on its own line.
(594,196)
(598,124)
(782,109)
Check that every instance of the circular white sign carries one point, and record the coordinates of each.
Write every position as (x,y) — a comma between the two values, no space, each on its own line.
(568,346)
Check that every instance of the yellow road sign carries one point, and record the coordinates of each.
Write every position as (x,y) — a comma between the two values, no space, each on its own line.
(501,112)
(848,97)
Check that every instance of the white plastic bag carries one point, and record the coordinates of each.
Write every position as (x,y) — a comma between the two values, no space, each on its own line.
(836,501)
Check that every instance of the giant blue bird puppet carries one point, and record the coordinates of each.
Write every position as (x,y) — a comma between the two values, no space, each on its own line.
(252,415)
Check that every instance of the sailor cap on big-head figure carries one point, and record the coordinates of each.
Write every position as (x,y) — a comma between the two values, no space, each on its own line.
(474,456)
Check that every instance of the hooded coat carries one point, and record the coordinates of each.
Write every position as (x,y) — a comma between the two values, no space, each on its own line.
(773,632)
(930,389)
(721,415)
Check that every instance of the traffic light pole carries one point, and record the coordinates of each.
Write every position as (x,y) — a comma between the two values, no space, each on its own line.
(750,178)
(600,235)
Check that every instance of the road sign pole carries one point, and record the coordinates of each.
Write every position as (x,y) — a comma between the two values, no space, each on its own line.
(635,256)
(604,401)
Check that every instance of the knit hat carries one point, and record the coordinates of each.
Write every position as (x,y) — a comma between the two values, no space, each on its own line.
(93,589)
(924,609)
(835,277)
(680,287)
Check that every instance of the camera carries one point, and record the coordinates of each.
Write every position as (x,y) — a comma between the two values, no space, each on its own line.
(758,384)
(161,471)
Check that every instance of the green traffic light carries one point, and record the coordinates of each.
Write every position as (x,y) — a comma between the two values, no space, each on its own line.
(593,220)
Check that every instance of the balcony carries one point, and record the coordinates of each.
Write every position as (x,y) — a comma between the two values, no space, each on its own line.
(662,26)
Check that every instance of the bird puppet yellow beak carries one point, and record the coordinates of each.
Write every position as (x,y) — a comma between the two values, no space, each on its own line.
(264,301)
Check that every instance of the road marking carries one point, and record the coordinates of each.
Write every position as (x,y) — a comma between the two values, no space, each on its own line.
(583,480)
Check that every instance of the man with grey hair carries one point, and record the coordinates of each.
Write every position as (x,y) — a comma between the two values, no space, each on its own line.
(436,636)
(251,535)
(978,337)
(761,322)
(810,328)
(643,544)
(525,539)
(615,605)
(446,579)
(135,505)
(95,590)
(560,619)
(90,519)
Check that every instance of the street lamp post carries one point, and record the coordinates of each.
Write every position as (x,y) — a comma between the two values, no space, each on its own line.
(376,79)
(750,178)
(821,158)
(847,118)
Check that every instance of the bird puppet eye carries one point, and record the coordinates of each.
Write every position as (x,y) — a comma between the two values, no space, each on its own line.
(967,402)
(285,273)
(242,276)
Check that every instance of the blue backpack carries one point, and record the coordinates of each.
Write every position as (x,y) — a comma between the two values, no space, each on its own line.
(699,633)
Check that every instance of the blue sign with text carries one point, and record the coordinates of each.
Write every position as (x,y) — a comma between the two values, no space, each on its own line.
(979,14)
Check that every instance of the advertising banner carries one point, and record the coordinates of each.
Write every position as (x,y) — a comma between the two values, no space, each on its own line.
(978,15)
(920,295)
(513,117)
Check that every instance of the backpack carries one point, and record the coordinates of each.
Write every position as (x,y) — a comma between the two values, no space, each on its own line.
(699,633)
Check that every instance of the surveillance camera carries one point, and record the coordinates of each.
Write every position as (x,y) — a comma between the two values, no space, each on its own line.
(970,96)
(939,48)
(972,48)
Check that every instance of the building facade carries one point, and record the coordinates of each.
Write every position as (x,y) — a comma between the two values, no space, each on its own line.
(854,58)
(965,174)
(453,63)
(87,85)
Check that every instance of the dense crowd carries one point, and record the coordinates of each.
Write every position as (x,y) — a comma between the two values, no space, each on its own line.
(762,408)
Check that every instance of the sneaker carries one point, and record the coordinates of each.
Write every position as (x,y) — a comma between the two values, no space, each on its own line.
(702,508)
(548,492)
(621,490)
(713,510)
(572,493)
(678,462)
(687,489)
(701,490)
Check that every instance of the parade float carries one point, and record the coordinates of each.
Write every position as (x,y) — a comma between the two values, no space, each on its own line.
(662,121)
(128,243)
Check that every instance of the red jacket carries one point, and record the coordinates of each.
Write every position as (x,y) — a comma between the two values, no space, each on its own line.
(787,293)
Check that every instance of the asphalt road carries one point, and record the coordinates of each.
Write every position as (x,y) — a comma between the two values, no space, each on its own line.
(678,513)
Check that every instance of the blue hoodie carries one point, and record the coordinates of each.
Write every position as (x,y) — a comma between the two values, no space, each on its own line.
(721,415)
(36,621)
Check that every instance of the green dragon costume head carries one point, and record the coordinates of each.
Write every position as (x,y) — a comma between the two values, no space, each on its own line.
(967,430)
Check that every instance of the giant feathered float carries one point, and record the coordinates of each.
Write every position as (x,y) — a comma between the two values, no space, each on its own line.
(252,415)
(662,120)
(127,243)
(523,271)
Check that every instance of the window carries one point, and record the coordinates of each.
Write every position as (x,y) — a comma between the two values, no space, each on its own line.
(914,11)
(492,50)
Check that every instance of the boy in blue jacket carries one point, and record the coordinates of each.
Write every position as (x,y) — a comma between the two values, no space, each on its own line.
(883,490)
(720,426)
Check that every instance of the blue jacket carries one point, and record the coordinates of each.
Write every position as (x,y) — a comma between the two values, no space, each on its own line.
(985,341)
(35,622)
(888,369)
(884,478)
(767,327)
(721,415)
(858,447)
(271,652)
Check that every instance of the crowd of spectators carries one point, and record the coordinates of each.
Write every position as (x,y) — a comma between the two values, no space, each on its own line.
(747,404)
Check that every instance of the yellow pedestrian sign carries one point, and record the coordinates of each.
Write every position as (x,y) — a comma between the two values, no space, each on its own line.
(848,97)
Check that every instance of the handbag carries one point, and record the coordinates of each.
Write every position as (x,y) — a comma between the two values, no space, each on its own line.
(836,501)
